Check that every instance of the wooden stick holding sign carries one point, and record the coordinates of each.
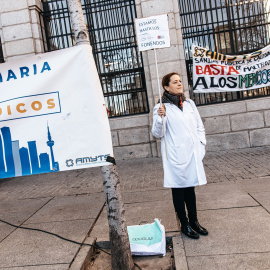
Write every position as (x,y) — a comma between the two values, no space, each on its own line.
(160,100)
(153,33)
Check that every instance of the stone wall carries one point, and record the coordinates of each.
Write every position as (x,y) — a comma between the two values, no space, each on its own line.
(132,134)
(229,125)
(131,137)
(237,124)
(20,28)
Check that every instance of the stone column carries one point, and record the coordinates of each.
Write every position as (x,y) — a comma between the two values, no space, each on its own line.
(20,28)
(169,59)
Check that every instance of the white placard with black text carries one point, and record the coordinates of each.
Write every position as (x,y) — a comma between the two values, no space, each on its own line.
(152,32)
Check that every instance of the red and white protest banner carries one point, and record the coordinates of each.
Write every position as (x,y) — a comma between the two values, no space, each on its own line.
(215,72)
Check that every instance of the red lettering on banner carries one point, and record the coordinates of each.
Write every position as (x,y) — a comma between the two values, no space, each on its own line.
(222,69)
(207,70)
(199,70)
(215,70)
(232,69)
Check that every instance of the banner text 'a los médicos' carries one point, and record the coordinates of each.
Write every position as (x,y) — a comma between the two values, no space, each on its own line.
(215,72)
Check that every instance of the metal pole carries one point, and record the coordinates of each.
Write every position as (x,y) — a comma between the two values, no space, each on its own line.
(120,247)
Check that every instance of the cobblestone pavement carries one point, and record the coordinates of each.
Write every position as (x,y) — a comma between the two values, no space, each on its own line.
(136,174)
(237,164)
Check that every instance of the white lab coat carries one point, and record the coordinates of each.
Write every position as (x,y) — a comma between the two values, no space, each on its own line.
(186,145)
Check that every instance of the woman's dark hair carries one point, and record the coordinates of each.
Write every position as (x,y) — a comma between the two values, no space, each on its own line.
(166,79)
(165,82)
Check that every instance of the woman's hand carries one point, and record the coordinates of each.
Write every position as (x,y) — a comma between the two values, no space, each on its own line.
(161,111)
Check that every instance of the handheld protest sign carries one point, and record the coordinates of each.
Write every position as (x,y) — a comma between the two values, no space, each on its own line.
(153,33)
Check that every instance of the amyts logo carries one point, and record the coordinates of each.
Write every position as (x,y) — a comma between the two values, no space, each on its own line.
(69,163)
(199,52)
(86,160)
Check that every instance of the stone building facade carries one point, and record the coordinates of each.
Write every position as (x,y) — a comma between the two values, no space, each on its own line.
(230,125)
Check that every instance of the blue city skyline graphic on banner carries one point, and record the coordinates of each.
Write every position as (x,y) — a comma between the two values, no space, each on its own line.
(16,161)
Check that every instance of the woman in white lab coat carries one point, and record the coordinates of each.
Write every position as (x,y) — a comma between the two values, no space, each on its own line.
(185,136)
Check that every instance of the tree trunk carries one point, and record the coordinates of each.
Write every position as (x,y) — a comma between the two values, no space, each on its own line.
(77,22)
(120,246)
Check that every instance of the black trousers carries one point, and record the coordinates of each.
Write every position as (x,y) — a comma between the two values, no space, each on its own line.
(185,197)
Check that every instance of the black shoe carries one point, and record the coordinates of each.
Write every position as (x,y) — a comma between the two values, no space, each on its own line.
(189,232)
(198,228)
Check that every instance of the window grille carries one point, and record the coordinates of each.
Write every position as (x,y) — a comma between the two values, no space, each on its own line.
(228,27)
(112,36)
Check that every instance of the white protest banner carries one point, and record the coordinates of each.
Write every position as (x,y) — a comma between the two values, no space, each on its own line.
(152,32)
(215,72)
(52,114)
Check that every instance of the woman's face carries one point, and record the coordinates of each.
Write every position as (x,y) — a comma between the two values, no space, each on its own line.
(175,85)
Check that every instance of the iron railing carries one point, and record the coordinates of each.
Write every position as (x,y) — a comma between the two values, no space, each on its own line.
(228,27)
(112,36)
(2,60)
